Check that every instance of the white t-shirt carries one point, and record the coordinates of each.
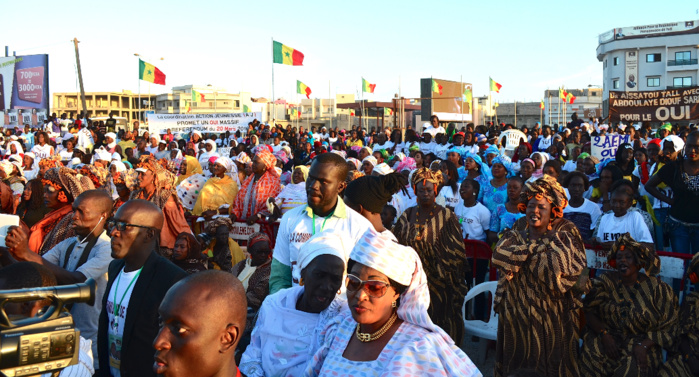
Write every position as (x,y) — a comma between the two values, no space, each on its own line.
(545,143)
(427,147)
(450,198)
(121,292)
(386,146)
(589,207)
(475,221)
(611,227)
(297,227)
(42,152)
(441,151)
(570,165)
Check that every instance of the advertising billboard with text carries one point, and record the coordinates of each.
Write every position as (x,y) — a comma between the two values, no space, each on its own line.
(446,99)
(24,89)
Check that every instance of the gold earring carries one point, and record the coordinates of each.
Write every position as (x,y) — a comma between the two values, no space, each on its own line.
(394,304)
(301,282)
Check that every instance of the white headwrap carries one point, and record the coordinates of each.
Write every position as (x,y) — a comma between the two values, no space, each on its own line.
(676,141)
(402,265)
(371,159)
(102,154)
(382,169)
(116,156)
(327,242)
(120,166)
(213,145)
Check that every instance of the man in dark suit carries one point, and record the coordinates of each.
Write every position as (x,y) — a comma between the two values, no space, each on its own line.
(138,281)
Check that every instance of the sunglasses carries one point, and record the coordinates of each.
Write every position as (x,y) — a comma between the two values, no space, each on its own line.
(374,288)
(121,226)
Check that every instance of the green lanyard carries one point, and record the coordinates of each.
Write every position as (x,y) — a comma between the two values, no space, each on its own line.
(116,310)
(322,226)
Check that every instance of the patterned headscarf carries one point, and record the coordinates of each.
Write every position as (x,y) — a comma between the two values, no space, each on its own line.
(164,182)
(544,187)
(402,265)
(49,163)
(68,182)
(506,162)
(258,237)
(243,158)
(426,175)
(647,258)
(97,174)
(268,159)
(406,164)
(357,163)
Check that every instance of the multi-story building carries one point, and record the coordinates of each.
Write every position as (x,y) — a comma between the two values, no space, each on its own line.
(101,104)
(215,100)
(649,57)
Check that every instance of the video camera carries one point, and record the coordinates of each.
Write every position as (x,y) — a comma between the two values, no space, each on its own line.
(44,343)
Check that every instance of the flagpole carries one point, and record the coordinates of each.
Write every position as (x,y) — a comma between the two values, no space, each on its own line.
(462,100)
(515,113)
(274,103)
(558,113)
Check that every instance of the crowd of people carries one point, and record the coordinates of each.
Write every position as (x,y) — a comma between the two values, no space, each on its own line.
(359,265)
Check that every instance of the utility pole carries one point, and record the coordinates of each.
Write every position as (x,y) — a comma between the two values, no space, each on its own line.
(80,77)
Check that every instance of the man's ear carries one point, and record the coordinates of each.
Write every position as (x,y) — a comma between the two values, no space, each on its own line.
(341,187)
(229,338)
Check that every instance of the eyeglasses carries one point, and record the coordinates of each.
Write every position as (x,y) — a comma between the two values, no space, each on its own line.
(121,226)
(374,288)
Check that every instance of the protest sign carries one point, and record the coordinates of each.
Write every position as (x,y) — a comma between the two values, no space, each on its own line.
(604,147)
(201,122)
(654,106)
(242,231)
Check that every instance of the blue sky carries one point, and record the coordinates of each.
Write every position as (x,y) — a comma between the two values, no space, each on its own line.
(526,46)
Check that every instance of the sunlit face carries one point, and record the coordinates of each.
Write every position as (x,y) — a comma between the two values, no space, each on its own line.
(538,213)
(526,169)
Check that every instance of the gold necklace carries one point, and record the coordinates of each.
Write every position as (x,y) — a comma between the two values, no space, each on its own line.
(366,337)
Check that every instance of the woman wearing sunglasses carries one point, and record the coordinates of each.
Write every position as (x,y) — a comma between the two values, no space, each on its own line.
(385,330)
(290,323)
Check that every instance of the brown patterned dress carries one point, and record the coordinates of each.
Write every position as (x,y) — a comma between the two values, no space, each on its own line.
(688,327)
(647,310)
(538,323)
(443,255)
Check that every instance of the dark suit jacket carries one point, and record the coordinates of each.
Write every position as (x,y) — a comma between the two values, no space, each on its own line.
(141,323)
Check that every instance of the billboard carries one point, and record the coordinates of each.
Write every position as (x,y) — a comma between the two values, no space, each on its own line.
(448,102)
(653,30)
(654,105)
(24,89)
(215,123)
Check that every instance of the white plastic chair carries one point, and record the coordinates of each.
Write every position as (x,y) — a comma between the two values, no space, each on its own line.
(481,329)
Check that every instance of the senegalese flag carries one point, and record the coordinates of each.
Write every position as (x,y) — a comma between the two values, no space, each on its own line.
(284,54)
(197,96)
(246,109)
(570,98)
(468,95)
(436,87)
(541,105)
(148,72)
(562,94)
(367,87)
(301,88)
(387,111)
(494,86)
(351,111)
(295,113)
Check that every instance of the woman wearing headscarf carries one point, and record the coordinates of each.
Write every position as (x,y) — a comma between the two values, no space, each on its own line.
(61,187)
(368,164)
(251,202)
(254,272)
(540,260)
(494,191)
(631,315)
(11,174)
(293,194)
(31,208)
(435,233)
(187,254)
(685,358)
(218,191)
(476,168)
(386,329)
(539,158)
(157,185)
(210,151)
(284,348)
(190,166)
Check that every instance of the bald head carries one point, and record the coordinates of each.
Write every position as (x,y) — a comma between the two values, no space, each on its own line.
(202,319)
(99,200)
(141,212)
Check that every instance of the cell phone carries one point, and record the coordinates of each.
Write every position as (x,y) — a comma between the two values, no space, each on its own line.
(2,93)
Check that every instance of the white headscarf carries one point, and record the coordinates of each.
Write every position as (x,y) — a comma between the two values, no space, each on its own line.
(327,242)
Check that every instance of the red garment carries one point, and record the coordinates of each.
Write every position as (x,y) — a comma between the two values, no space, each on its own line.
(269,185)
(515,158)
(644,172)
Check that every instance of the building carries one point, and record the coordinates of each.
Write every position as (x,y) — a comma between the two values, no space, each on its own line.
(211,99)
(99,104)
(587,104)
(649,57)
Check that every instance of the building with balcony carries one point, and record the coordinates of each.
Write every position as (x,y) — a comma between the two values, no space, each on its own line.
(101,104)
(649,57)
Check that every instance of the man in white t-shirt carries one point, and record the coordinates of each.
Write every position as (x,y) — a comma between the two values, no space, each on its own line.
(325,210)
(77,259)
(137,282)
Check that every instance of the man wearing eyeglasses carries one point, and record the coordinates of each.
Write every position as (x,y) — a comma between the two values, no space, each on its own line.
(75,259)
(138,280)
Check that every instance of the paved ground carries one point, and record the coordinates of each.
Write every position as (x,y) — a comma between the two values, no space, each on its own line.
(475,351)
